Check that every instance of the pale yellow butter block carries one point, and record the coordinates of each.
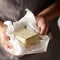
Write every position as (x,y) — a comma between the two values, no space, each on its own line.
(27,37)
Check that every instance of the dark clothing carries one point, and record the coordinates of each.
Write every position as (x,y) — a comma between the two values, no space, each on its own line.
(14,9)
(13,12)
(37,6)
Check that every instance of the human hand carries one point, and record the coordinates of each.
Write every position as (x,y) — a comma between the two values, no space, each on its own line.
(5,40)
(42,24)
(3,37)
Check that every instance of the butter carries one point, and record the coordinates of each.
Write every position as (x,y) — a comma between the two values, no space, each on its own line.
(27,37)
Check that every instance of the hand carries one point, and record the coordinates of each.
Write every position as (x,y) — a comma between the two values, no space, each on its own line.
(3,37)
(42,24)
(5,40)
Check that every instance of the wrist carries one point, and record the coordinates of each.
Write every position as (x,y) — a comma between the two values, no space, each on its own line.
(43,17)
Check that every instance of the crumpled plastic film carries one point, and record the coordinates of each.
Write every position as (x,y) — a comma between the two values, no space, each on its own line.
(28,22)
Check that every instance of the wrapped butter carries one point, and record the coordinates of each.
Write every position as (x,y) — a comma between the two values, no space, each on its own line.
(27,37)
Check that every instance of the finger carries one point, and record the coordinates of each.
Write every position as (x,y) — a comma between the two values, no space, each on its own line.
(7,45)
(4,41)
(43,30)
(4,37)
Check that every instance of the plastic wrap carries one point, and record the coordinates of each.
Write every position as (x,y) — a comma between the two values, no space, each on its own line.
(28,22)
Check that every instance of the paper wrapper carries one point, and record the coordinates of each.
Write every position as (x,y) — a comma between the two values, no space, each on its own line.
(28,21)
